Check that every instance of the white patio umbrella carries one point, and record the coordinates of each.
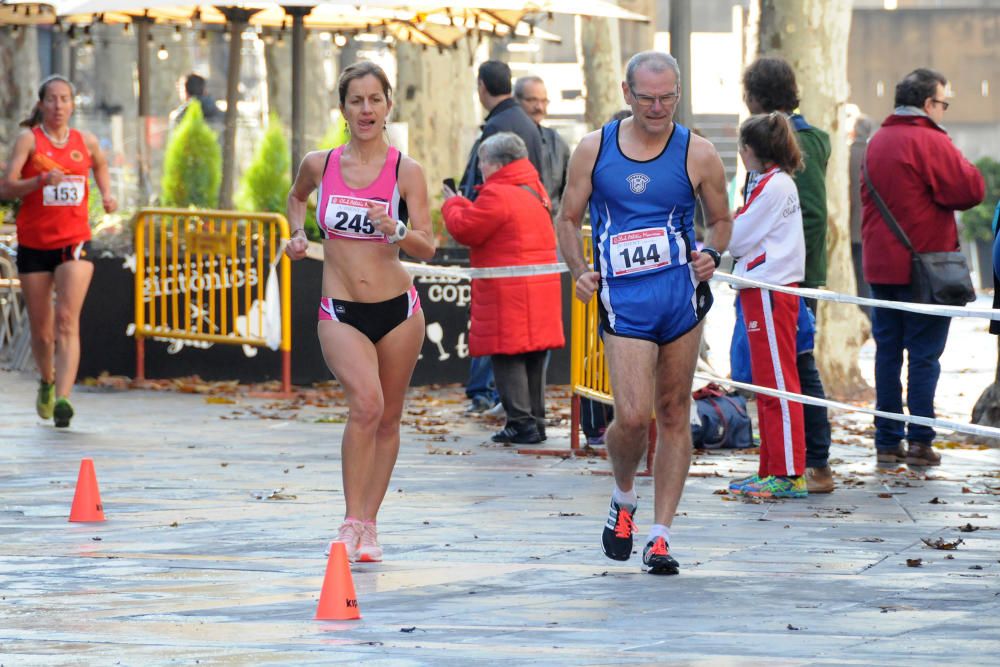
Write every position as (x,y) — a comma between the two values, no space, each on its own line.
(26,13)
(430,29)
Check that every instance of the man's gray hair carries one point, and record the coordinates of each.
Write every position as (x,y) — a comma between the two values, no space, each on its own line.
(654,61)
(502,148)
(523,81)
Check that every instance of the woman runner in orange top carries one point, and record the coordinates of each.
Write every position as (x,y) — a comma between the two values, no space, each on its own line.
(48,171)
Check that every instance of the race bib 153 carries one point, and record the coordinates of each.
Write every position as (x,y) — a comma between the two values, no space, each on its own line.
(70,192)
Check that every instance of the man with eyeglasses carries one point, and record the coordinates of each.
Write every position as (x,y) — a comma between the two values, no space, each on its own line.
(531,94)
(923,179)
(642,177)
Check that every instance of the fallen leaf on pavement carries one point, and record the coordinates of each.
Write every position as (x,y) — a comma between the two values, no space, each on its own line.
(447,452)
(914,562)
(331,420)
(941,543)
(277,494)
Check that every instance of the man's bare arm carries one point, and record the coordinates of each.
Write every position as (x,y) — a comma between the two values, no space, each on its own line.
(570,217)
(706,165)
(708,177)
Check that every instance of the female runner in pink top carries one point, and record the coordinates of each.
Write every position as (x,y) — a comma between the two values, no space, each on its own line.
(370,324)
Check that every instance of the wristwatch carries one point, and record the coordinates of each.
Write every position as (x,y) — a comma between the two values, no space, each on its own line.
(399,234)
(714,254)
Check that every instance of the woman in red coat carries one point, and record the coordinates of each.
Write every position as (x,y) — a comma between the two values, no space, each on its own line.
(515,320)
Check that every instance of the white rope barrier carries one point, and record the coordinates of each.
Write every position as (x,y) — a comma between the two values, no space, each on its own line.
(827,295)
(971,429)
(459,272)
(485,272)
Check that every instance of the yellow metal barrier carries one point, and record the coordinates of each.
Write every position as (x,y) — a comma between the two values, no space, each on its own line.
(588,372)
(203,275)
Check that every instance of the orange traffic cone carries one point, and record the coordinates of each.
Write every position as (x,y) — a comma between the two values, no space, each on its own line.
(337,600)
(87,500)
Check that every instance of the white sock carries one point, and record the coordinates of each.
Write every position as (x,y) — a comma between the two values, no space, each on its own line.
(625,497)
(659,530)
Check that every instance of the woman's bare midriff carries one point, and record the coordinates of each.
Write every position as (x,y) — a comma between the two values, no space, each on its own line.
(362,271)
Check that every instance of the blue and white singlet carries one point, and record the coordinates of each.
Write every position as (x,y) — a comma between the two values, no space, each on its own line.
(642,218)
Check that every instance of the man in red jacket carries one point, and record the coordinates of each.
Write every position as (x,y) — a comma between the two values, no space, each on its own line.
(923,179)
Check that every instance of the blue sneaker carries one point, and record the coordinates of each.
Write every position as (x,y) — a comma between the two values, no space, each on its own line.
(738,486)
(778,487)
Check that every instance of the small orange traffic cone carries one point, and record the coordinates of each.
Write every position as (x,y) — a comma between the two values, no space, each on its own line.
(87,500)
(337,600)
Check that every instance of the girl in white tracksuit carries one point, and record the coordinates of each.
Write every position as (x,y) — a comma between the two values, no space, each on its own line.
(769,246)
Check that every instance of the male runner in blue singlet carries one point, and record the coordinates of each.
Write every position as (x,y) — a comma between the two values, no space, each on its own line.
(642,177)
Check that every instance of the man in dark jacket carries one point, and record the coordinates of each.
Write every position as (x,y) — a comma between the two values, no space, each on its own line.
(530,93)
(194,89)
(504,115)
(769,85)
(923,180)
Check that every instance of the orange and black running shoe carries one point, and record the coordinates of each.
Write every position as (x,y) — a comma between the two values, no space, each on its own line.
(656,558)
(618,531)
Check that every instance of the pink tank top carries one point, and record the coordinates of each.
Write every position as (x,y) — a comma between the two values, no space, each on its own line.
(342,210)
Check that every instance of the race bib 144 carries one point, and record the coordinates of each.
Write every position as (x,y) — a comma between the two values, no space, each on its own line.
(639,250)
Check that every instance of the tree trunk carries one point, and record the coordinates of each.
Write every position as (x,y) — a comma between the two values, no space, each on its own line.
(19,79)
(435,98)
(498,48)
(322,72)
(680,48)
(812,36)
(277,66)
(987,409)
(636,36)
(600,53)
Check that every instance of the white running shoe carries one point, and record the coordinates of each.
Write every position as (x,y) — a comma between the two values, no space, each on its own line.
(369,550)
(350,534)
(496,411)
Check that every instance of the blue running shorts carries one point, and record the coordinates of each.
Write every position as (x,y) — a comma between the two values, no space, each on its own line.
(660,307)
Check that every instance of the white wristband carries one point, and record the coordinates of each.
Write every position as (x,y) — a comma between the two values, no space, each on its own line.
(399,234)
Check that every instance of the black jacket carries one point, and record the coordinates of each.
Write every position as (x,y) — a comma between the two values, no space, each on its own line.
(508,116)
(556,156)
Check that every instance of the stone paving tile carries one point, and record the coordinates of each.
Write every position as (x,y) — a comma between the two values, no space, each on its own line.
(492,557)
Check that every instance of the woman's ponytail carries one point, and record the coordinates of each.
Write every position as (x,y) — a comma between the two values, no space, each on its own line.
(773,140)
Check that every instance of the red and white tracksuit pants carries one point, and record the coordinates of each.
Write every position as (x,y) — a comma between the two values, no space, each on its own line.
(770,319)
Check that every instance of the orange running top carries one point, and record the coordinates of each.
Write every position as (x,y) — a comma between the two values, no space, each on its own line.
(55,216)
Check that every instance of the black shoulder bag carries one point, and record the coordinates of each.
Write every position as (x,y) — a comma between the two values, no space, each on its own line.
(936,277)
